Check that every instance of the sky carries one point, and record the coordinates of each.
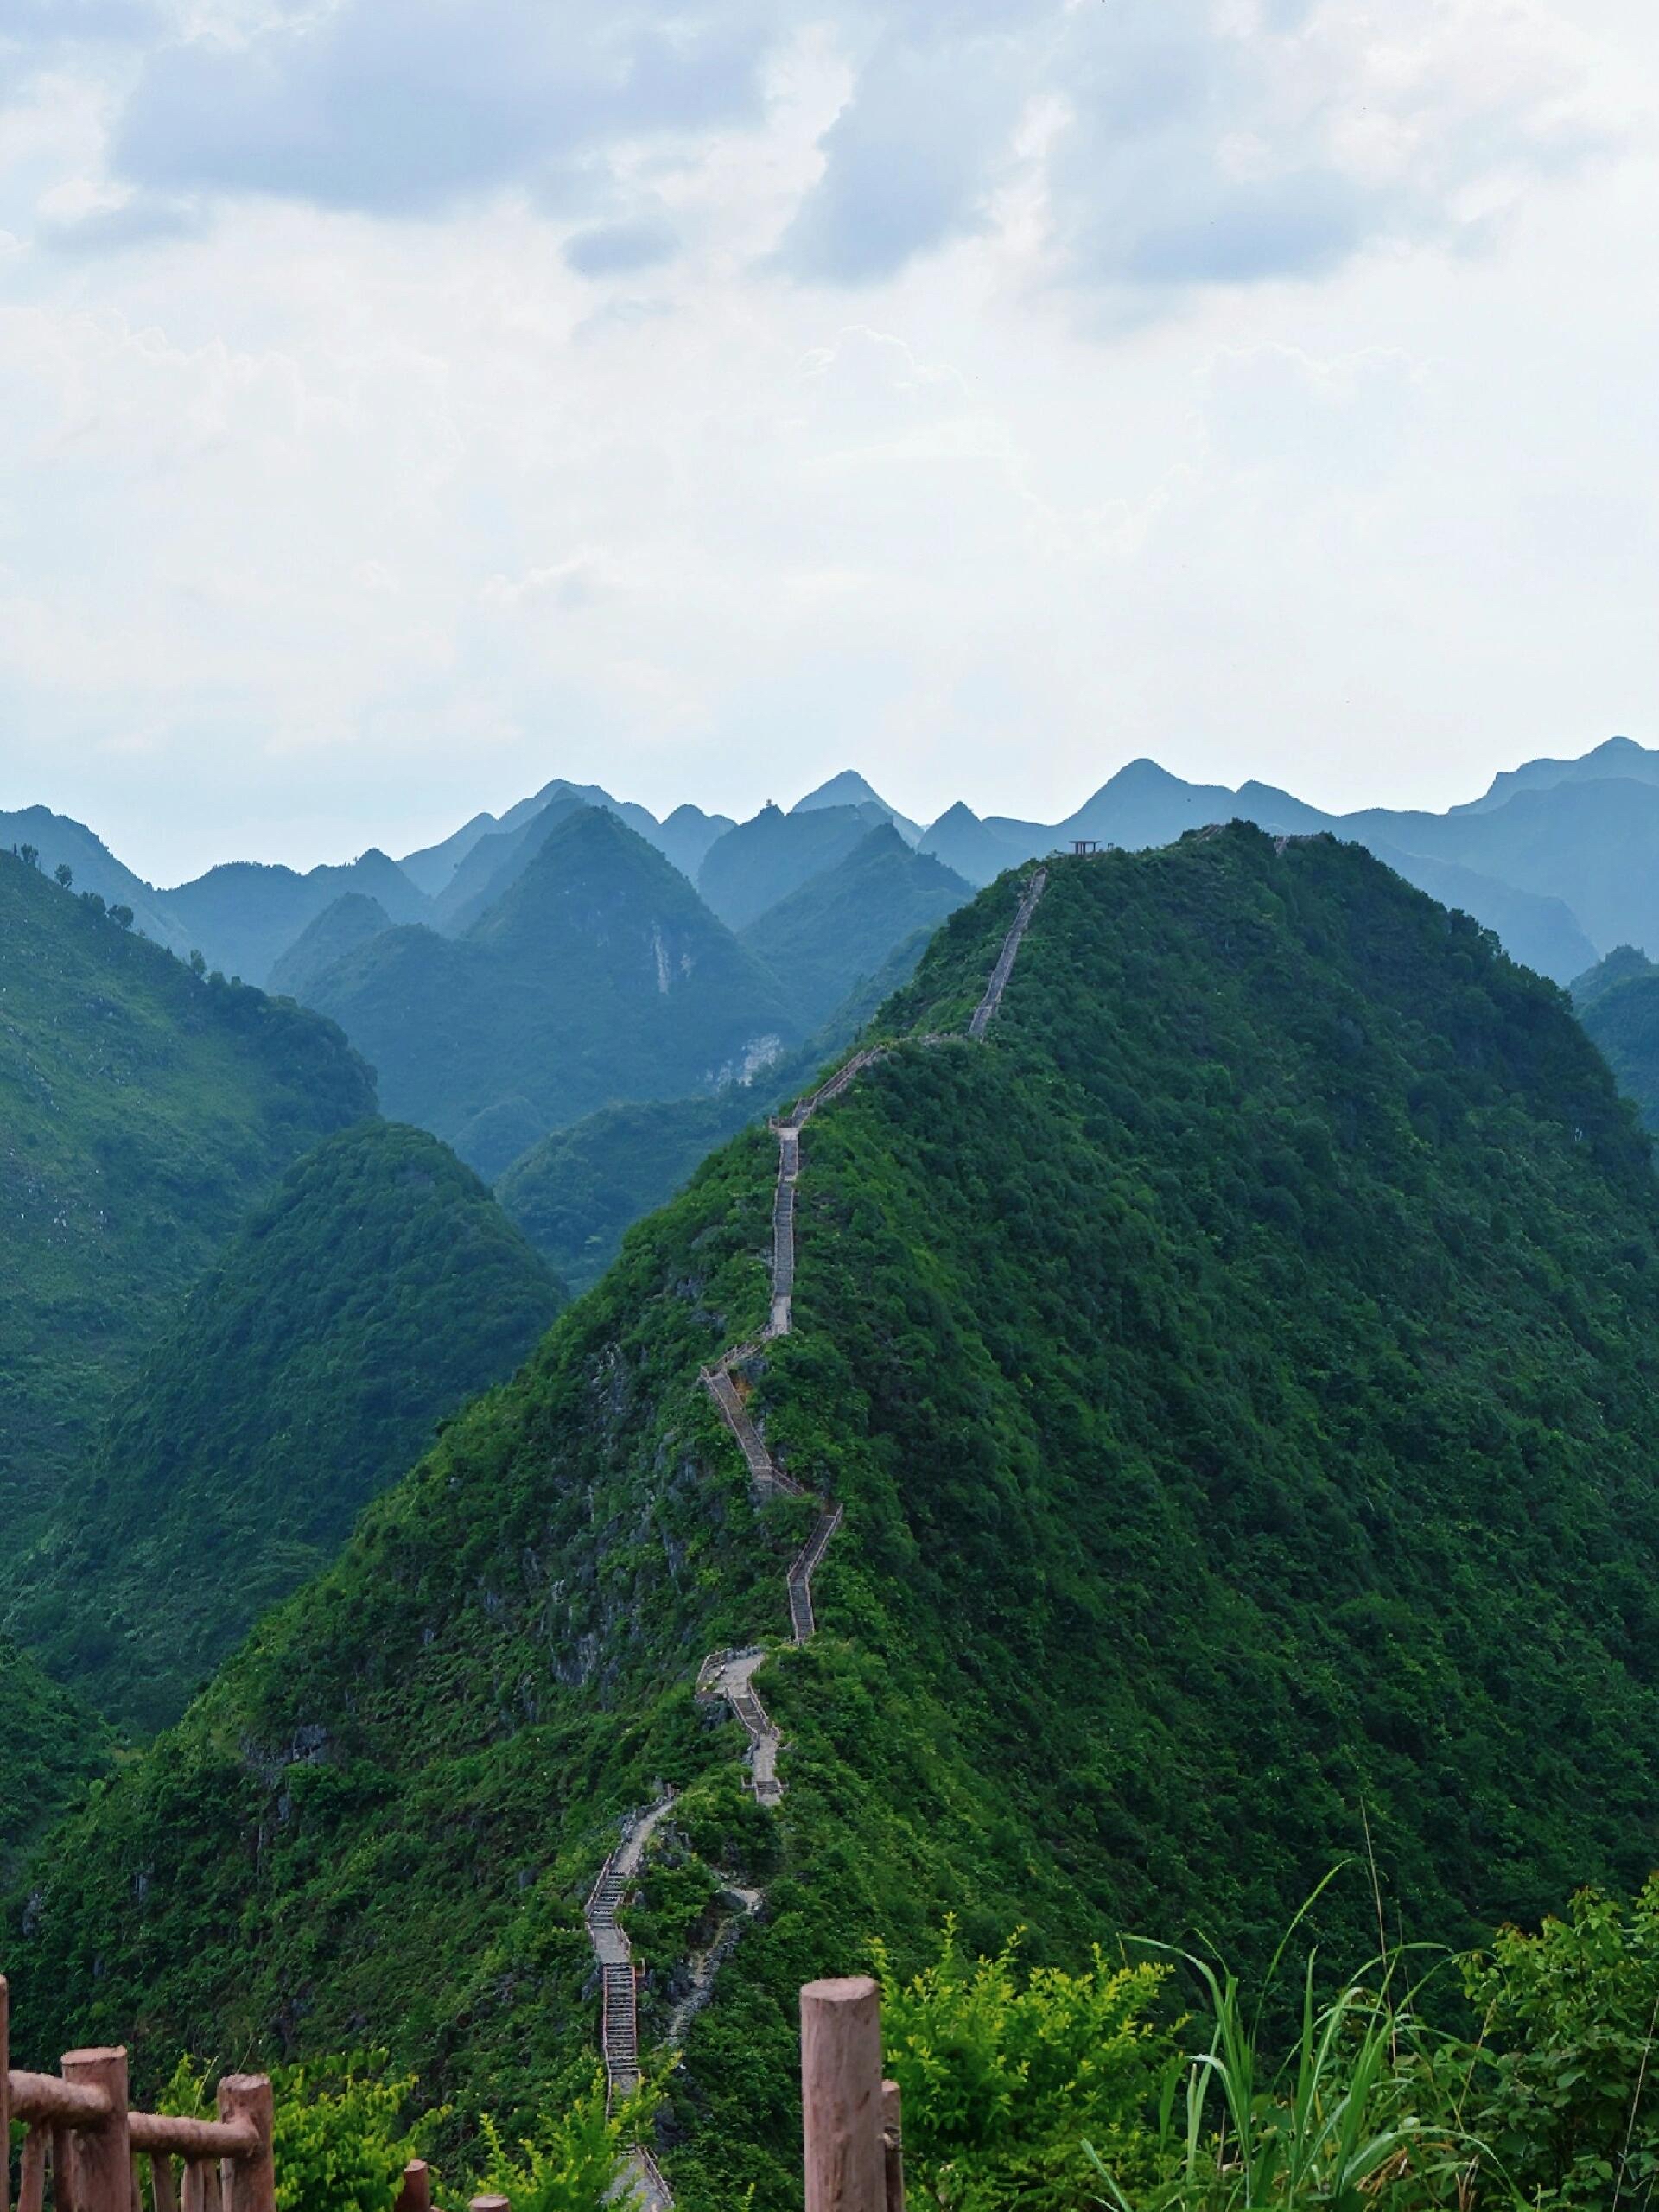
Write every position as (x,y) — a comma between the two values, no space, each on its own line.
(404,402)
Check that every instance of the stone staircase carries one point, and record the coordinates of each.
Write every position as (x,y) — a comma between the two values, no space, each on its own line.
(729,1675)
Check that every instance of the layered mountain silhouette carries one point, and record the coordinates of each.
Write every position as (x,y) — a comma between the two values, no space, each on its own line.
(843,923)
(1238,1366)
(598,973)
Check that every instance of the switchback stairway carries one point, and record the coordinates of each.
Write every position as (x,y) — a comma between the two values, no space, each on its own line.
(729,1675)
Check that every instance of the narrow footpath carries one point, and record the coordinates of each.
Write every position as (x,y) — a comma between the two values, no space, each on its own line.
(729,1675)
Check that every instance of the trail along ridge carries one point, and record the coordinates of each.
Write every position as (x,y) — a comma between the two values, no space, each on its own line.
(730,1674)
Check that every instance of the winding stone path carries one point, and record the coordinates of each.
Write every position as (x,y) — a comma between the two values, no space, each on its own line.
(730,1674)
(986,1010)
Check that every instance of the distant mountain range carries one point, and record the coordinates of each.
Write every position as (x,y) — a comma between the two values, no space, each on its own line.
(1555,856)
(523,973)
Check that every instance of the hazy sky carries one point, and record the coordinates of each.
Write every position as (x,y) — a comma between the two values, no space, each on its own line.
(403,402)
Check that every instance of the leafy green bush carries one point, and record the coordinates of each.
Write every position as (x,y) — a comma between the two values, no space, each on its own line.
(1567,2090)
(340,2137)
(1005,2078)
(573,2166)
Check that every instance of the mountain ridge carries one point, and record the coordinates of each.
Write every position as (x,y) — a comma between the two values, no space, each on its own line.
(1151,1352)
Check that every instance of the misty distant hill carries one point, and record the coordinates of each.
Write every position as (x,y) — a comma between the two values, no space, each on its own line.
(598,975)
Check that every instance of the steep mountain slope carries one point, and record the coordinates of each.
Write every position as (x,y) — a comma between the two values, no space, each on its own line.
(374,1294)
(763,859)
(1238,1376)
(1623,965)
(576,1192)
(1539,933)
(685,836)
(850,789)
(142,1112)
(1591,844)
(340,929)
(962,842)
(1619,1005)
(62,843)
(244,915)
(496,862)
(843,923)
(51,1744)
(599,974)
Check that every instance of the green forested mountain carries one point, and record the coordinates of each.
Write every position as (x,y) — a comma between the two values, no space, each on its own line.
(1623,965)
(377,1291)
(1239,1377)
(1617,1002)
(244,915)
(598,975)
(51,1744)
(843,923)
(61,841)
(576,1192)
(143,1111)
(763,859)
(351,920)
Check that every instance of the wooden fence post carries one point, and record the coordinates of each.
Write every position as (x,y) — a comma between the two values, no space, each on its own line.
(100,2157)
(841,2096)
(414,2196)
(248,2184)
(490,2204)
(893,2144)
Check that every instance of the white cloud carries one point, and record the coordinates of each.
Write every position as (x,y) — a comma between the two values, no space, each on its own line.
(986,395)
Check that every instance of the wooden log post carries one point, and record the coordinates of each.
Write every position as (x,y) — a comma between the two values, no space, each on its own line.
(892,2146)
(841,2096)
(31,2175)
(100,2157)
(248,2184)
(490,2204)
(416,2195)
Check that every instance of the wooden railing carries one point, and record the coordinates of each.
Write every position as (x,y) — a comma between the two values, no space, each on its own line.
(79,2123)
(79,2126)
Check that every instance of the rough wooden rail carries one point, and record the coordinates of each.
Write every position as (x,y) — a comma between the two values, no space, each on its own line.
(79,2121)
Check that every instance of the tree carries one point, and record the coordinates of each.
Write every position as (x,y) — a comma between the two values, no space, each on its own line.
(30,855)
(198,965)
(64,874)
(122,914)
(91,899)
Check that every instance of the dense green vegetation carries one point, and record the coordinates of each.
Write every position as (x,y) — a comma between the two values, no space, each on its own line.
(598,975)
(1617,1002)
(842,923)
(143,1111)
(1158,2087)
(1239,1378)
(576,1191)
(763,859)
(374,1294)
(51,1744)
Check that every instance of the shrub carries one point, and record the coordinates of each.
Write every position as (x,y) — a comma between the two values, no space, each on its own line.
(1005,2078)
